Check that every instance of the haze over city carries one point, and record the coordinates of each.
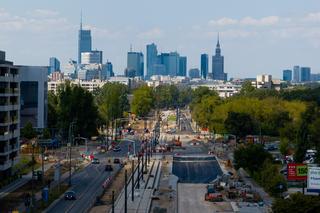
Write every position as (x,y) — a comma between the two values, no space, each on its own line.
(255,37)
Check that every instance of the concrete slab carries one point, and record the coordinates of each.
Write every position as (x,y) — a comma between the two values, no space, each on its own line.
(191,199)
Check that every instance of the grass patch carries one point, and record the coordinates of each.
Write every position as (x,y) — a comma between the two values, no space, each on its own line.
(54,194)
(172,118)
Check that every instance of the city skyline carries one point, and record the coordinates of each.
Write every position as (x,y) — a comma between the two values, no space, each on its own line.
(279,35)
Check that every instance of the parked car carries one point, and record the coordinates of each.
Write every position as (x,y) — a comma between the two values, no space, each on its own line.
(95,161)
(108,168)
(70,195)
(116,161)
(116,149)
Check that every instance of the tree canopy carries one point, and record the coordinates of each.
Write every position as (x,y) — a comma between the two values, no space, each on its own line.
(76,104)
(143,101)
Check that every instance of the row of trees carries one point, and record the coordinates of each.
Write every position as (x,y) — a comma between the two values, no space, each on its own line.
(258,162)
(108,104)
(292,115)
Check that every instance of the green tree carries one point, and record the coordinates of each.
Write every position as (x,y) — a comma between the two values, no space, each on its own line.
(184,96)
(251,157)
(297,203)
(143,101)
(201,92)
(303,134)
(52,110)
(112,101)
(247,88)
(270,178)
(28,132)
(76,104)
(240,124)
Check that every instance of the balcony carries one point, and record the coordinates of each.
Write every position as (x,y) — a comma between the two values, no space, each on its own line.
(5,165)
(4,151)
(5,136)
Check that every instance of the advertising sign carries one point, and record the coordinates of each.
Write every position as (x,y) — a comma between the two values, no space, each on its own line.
(313,179)
(297,171)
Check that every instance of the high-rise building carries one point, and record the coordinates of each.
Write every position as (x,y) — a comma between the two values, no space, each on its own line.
(54,65)
(305,74)
(152,54)
(287,75)
(171,62)
(204,65)
(34,96)
(315,77)
(218,64)
(106,71)
(9,115)
(296,74)
(194,73)
(92,57)
(135,63)
(84,41)
(182,66)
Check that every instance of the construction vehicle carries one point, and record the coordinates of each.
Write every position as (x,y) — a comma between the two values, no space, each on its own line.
(211,195)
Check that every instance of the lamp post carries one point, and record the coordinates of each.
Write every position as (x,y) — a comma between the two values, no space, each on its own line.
(33,142)
(70,148)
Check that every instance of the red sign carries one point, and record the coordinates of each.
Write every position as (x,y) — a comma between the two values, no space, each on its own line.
(297,171)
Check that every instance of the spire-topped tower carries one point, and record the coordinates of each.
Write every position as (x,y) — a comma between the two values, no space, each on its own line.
(218,49)
(218,64)
(84,40)
(81,20)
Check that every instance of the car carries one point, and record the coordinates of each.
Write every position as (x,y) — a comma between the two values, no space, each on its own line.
(116,161)
(108,168)
(70,195)
(116,149)
(95,161)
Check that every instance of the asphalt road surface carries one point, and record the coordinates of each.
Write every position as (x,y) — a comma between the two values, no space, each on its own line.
(85,184)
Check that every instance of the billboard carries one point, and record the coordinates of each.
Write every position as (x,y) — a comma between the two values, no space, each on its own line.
(297,171)
(313,179)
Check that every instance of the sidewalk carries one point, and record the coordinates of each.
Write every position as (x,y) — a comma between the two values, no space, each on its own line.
(20,182)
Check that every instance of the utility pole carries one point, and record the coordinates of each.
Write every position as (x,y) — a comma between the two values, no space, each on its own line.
(32,181)
(70,148)
(42,164)
(125,192)
(132,181)
(138,185)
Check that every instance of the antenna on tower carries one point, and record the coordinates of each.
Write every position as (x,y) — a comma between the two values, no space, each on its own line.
(130,47)
(81,19)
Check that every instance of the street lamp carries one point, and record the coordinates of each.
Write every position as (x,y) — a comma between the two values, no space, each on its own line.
(33,143)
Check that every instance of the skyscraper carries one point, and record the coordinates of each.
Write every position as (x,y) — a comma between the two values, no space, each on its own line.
(92,57)
(54,65)
(218,64)
(204,65)
(173,64)
(194,73)
(287,75)
(305,74)
(135,63)
(296,74)
(84,41)
(152,54)
(182,66)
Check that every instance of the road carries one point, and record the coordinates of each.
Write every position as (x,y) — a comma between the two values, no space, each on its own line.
(88,182)
(85,184)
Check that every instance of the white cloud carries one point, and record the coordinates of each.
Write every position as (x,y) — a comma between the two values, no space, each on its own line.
(43,13)
(312,17)
(265,21)
(154,33)
(223,22)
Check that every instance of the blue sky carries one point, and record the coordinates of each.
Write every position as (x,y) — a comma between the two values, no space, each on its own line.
(256,36)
